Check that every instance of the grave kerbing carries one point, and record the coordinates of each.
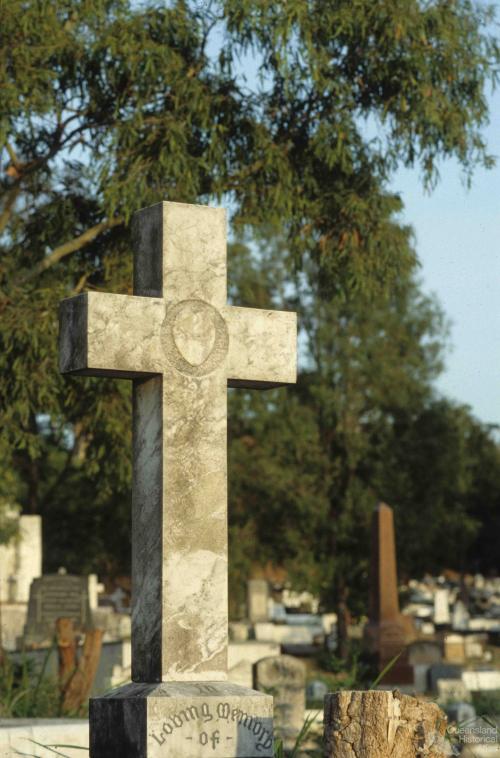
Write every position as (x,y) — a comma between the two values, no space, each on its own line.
(182,345)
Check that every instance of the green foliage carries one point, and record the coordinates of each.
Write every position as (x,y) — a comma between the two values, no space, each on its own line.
(27,692)
(111,105)
(363,423)
(487,703)
(9,523)
(354,673)
(299,748)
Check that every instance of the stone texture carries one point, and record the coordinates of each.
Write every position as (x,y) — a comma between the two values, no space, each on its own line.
(192,719)
(387,631)
(182,345)
(376,724)
(284,677)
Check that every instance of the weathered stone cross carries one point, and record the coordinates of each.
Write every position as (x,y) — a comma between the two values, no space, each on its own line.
(183,345)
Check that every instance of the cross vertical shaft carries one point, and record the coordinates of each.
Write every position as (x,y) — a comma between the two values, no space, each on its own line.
(179,528)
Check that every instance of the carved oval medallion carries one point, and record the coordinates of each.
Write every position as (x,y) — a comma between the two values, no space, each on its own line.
(195,337)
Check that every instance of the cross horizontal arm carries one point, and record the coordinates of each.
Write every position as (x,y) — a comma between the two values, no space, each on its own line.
(262,347)
(110,335)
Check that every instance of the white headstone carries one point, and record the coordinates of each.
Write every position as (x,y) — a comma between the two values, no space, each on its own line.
(257,599)
(460,617)
(21,561)
(441,606)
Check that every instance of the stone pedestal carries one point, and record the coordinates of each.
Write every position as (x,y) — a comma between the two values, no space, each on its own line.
(182,720)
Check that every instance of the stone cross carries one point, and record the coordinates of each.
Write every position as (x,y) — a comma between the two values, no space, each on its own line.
(181,343)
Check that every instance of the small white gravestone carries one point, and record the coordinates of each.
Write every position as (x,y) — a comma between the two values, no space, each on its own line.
(452,690)
(182,346)
(481,680)
(94,589)
(441,606)
(460,617)
(257,600)
(21,561)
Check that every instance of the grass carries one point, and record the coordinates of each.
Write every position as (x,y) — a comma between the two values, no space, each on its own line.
(28,691)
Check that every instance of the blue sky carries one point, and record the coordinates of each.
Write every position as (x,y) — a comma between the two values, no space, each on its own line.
(458,243)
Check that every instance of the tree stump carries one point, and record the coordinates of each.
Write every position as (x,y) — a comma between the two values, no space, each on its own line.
(76,676)
(381,724)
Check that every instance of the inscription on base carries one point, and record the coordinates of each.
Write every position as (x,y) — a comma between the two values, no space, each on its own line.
(210,728)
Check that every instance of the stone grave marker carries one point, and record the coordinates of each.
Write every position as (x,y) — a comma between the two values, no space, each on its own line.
(388,631)
(478,680)
(21,560)
(454,648)
(452,690)
(182,345)
(441,615)
(284,677)
(54,596)
(460,617)
(316,690)
(425,651)
(443,671)
(257,599)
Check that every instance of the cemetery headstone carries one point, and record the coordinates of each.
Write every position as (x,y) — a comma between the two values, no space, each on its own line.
(21,561)
(316,690)
(425,651)
(182,345)
(452,690)
(454,648)
(443,671)
(479,680)
(460,617)
(257,600)
(54,596)
(442,607)
(386,633)
(284,677)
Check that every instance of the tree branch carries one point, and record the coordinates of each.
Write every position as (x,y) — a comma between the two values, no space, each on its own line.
(9,203)
(12,154)
(73,245)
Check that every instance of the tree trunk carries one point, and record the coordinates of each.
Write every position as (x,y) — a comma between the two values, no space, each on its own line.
(66,649)
(80,684)
(76,677)
(378,724)
(343,621)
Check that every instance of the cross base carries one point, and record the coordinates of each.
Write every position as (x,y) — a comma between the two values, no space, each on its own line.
(182,720)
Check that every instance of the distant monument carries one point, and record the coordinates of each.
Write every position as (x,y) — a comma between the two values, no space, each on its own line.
(388,631)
